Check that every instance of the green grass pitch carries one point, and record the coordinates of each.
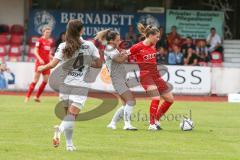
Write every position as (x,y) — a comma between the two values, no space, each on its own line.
(26,133)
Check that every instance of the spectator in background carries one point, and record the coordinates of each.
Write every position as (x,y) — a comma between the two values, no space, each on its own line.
(162,39)
(202,52)
(173,38)
(131,35)
(161,56)
(190,58)
(6,77)
(214,41)
(188,44)
(3,82)
(175,57)
(61,39)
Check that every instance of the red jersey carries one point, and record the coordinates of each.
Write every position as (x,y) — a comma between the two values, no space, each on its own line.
(145,56)
(146,59)
(44,48)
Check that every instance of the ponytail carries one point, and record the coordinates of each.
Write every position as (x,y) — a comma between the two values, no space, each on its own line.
(101,35)
(106,35)
(148,30)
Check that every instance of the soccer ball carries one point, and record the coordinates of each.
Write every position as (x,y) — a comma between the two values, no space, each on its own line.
(186,125)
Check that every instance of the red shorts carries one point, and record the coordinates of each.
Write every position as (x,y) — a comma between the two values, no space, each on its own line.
(153,80)
(46,72)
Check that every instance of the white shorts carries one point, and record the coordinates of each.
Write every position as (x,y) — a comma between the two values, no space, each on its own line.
(75,100)
(76,96)
(120,85)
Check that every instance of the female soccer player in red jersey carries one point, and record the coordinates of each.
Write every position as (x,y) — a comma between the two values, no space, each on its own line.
(43,55)
(150,77)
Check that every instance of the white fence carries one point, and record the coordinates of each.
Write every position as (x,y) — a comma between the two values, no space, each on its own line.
(186,80)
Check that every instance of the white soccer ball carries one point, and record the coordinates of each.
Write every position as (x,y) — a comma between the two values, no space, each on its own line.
(186,125)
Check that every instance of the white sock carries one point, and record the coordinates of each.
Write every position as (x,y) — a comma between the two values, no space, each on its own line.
(127,114)
(67,123)
(68,135)
(117,115)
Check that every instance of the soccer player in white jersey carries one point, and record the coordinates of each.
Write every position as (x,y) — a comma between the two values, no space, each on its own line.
(72,48)
(114,60)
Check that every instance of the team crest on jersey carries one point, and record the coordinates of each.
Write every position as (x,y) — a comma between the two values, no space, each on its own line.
(149,19)
(42,19)
(84,46)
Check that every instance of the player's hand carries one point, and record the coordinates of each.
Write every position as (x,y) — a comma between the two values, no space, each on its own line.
(40,68)
(123,52)
(41,61)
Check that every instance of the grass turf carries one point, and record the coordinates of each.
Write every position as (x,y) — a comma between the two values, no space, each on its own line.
(26,133)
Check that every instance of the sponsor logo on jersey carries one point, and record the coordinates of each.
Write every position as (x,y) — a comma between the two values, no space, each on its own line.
(149,56)
(47,48)
(75,74)
(84,46)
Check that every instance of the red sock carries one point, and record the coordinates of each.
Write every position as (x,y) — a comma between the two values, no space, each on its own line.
(41,89)
(153,110)
(30,89)
(163,109)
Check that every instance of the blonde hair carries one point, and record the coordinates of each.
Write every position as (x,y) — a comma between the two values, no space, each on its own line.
(46,28)
(148,30)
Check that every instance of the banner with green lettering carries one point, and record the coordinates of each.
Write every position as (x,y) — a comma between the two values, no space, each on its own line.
(194,23)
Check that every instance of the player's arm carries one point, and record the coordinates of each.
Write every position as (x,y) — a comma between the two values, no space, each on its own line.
(51,56)
(50,65)
(134,50)
(120,58)
(97,63)
(36,53)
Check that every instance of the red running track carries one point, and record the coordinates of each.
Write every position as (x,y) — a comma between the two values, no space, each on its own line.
(212,98)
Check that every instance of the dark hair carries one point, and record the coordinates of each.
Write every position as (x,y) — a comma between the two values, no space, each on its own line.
(61,34)
(174,27)
(107,35)
(148,30)
(213,29)
(73,42)
(59,40)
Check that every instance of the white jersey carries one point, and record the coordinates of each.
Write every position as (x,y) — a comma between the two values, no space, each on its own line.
(117,71)
(76,77)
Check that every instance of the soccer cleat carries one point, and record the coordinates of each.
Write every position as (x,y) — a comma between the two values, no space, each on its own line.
(37,100)
(152,127)
(158,125)
(112,126)
(71,148)
(56,137)
(130,128)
